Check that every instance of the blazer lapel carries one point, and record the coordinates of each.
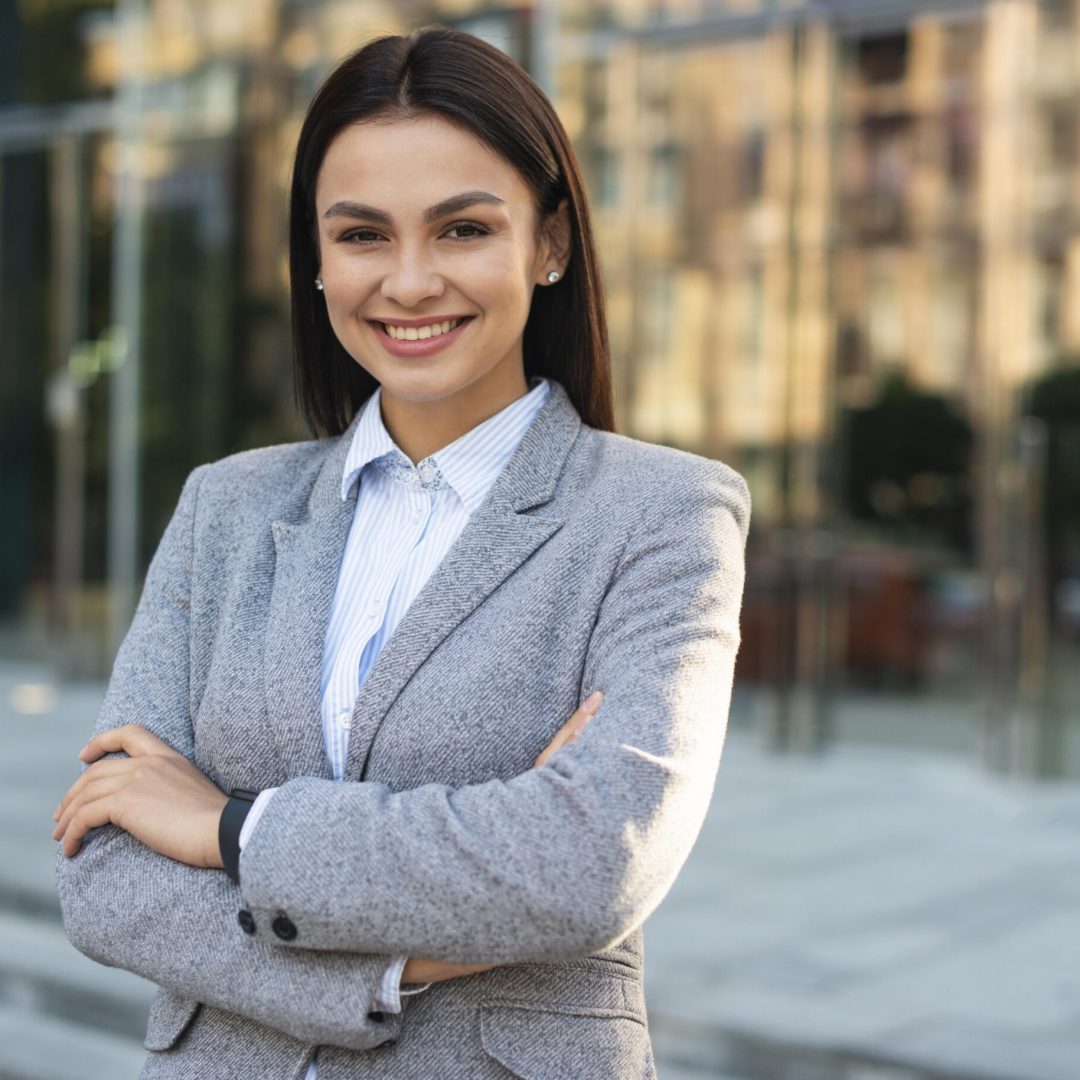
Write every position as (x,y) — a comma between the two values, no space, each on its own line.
(308,556)
(497,539)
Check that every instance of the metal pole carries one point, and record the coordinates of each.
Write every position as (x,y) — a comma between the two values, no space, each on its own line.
(789,705)
(123,520)
(1038,743)
(65,398)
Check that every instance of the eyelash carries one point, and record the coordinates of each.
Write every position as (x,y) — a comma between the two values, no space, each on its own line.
(350,237)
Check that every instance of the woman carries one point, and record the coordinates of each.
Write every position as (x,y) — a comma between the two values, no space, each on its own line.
(374,633)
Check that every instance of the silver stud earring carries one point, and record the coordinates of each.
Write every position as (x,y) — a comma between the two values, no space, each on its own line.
(553,276)
(319,284)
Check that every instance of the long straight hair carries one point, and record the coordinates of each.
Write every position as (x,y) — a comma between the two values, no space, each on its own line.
(461,78)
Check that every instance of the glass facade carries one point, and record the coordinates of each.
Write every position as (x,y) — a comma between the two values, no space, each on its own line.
(842,250)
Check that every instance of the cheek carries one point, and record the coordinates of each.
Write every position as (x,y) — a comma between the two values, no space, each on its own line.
(349,283)
(501,286)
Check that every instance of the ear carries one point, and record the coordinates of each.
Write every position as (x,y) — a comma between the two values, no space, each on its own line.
(556,247)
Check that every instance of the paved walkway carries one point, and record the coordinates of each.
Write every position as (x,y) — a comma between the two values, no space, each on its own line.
(875,906)
(865,914)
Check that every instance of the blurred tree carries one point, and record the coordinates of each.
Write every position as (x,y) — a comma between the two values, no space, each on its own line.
(908,464)
(50,51)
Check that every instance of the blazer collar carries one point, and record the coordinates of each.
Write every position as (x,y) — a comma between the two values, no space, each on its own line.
(499,536)
(527,480)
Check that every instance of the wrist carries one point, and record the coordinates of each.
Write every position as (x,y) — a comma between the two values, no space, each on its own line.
(230,822)
(213,842)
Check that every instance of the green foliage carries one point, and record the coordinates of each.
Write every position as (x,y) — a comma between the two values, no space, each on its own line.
(29,10)
(1055,396)
(908,460)
(52,50)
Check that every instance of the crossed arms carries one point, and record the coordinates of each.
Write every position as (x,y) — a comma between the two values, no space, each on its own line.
(554,864)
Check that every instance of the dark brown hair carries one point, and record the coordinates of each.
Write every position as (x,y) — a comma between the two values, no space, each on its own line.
(459,77)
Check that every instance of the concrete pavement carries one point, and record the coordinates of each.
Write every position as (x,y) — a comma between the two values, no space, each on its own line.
(875,912)
(869,914)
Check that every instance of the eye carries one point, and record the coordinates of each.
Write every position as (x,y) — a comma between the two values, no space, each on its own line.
(472,230)
(359,236)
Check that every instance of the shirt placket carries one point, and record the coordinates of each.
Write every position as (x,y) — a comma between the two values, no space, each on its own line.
(420,483)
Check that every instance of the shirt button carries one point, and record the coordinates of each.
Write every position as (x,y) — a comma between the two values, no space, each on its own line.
(344,721)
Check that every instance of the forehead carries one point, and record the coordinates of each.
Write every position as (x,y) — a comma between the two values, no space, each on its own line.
(405,166)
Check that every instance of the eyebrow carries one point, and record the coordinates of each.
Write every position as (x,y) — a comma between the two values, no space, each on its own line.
(432,213)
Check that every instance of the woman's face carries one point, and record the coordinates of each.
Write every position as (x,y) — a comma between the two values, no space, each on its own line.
(420,223)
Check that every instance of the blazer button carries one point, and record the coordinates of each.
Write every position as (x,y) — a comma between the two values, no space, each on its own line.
(376,1017)
(246,921)
(284,927)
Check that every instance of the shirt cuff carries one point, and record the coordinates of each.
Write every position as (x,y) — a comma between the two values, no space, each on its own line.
(253,815)
(391,990)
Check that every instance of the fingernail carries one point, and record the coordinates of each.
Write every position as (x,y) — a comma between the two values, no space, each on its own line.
(592,702)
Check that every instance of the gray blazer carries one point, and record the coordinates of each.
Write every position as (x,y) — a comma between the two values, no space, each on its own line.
(595,562)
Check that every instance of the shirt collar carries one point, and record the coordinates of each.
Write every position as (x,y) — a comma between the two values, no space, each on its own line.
(370,442)
(470,464)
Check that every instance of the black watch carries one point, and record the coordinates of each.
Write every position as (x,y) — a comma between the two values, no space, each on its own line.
(229,826)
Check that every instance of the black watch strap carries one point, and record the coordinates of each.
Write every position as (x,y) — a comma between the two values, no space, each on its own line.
(229,826)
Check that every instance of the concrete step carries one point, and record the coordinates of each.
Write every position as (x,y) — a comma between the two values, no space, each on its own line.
(41,971)
(36,1047)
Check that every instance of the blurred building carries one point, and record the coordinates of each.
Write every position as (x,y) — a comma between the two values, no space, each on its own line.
(840,239)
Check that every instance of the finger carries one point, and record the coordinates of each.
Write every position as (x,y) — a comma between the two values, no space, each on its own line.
(131,739)
(90,816)
(101,787)
(562,736)
(89,775)
(588,710)
(572,728)
(555,744)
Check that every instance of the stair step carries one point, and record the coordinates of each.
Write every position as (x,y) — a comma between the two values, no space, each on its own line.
(36,1047)
(40,970)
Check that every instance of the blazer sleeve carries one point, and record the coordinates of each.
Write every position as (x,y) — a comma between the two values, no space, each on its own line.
(127,906)
(560,861)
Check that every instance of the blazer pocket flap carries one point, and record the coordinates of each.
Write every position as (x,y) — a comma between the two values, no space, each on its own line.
(170,1017)
(543,1042)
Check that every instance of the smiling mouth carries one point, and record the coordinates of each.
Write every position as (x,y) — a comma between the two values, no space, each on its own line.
(420,333)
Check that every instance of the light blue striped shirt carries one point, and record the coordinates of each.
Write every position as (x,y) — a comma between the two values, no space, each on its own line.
(405,521)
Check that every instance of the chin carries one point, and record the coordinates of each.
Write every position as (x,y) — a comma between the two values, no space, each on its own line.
(424,386)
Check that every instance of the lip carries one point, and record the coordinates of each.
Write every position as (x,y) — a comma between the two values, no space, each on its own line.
(418,347)
(430,320)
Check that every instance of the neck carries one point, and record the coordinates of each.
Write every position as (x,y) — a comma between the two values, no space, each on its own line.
(422,427)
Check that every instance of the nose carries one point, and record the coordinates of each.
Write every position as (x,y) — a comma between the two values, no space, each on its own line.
(411,279)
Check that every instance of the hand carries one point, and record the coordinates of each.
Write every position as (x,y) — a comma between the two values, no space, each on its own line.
(154,793)
(419,970)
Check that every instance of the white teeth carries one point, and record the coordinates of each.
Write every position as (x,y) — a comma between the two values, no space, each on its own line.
(413,333)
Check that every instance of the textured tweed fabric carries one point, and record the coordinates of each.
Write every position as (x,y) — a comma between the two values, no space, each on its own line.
(595,562)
